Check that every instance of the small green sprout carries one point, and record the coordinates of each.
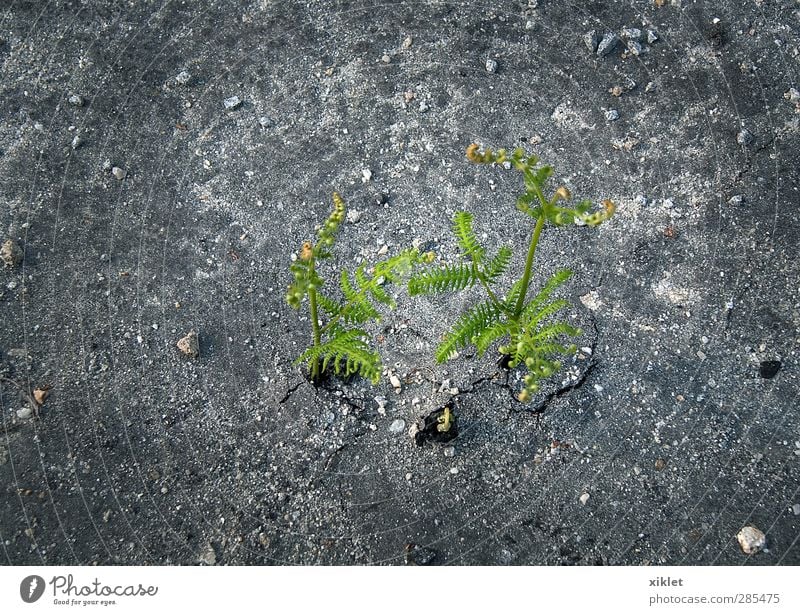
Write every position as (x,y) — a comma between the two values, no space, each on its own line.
(340,344)
(530,338)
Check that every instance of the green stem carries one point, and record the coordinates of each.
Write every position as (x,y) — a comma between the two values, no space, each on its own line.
(526,276)
(312,301)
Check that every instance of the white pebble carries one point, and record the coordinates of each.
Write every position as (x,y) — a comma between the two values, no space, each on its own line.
(751,539)
(24,413)
(584,498)
(232,103)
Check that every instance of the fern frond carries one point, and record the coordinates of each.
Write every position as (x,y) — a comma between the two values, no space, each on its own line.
(347,353)
(447,279)
(467,330)
(513,295)
(329,305)
(462,227)
(532,315)
(491,334)
(556,280)
(498,265)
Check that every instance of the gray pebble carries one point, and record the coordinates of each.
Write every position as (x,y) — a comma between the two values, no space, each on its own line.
(792,95)
(183,77)
(640,200)
(232,103)
(591,39)
(612,115)
(76,100)
(796,509)
(491,66)
(265,121)
(24,413)
(745,137)
(652,37)
(397,426)
(736,199)
(76,142)
(635,48)
(632,34)
(119,173)
(607,45)
(354,216)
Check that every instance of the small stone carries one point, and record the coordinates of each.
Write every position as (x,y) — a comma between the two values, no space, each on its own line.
(745,137)
(419,556)
(652,37)
(612,115)
(768,369)
(76,142)
(701,355)
(660,464)
(209,556)
(10,253)
(409,476)
(584,498)
(736,199)
(265,121)
(632,34)
(397,426)
(385,59)
(407,42)
(751,539)
(450,451)
(263,539)
(41,395)
(395,382)
(183,77)
(607,44)
(792,95)
(381,401)
(232,103)
(76,100)
(796,509)
(24,413)
(119,173)
(190,344)
(383,250)
(353,216)
(635,48)
(591,39)
(366,175)
(491,66)
(408,96)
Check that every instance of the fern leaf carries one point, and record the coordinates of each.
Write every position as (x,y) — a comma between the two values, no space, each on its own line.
(329,305)
(556,280)
(449,278)
(532,316)
(468,329)
(490,335)
(462,227)
(347,353)
(497,266)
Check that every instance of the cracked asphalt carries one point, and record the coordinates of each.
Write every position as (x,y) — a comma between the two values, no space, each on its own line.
(161,161)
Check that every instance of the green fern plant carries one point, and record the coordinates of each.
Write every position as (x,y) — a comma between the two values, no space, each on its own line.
(341,345)
(529,336)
